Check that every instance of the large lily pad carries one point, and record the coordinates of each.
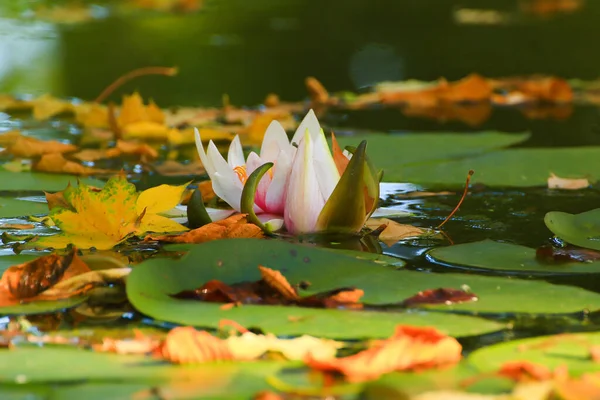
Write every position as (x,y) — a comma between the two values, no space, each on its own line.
(512,167)
(40,181)
(235,260)
(11,207)
(390,152)
(572,350)
(578,229)
(504,258)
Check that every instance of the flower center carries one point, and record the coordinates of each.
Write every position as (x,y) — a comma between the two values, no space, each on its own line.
(241,173)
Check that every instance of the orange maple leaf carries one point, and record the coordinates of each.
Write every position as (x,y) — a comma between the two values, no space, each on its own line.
(409,348)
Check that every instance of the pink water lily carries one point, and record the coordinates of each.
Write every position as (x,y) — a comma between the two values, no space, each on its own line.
(306,186)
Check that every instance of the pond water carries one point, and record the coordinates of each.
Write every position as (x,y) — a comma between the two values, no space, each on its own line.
(248,49)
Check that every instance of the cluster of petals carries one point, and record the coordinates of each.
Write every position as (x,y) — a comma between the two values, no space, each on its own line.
(295,190)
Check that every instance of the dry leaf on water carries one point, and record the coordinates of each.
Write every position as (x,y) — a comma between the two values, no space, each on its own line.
(235,226)
(32,280)
(392,231)
(57,164)
(555,182)
(17,226)
(186,345)
(122,147)
(28,147)
(410,348)
(272,289)
(139,344)
(174,168)
(88,217)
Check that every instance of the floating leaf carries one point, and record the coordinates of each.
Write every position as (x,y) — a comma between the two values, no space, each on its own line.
(104,218)
(504,258)
(409,348)
(231,261)
(578,229)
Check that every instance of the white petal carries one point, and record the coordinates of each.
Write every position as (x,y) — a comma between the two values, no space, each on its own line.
(217,214)
(220,165)
(210,169)
(275,199)
(235,155)
(309,122)
(325,168)
(274,141)
(304,200)
(228,190)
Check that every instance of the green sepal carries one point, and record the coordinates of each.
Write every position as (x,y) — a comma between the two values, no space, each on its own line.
(196,212)
(248,193)
(345,211)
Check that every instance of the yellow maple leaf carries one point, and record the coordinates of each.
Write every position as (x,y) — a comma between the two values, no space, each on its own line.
(91,115)
(47,106)
(139,120)
(103,218)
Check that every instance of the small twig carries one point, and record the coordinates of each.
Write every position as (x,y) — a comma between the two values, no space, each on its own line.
(167,71)
(469,175)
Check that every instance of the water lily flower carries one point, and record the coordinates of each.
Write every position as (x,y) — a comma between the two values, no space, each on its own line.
(309,187)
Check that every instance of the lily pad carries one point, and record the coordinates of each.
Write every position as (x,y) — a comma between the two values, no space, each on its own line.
(578,229)
(571,350)
(63,364)
(151,282)
(37,181)
(11,207)
(393,151)
(504,258)
(512,167)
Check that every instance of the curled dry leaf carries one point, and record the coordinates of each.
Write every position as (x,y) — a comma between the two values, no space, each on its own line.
(186,345)
(41,278)
(392,231)
(57,164)
(317,92)
(410,348)
(277,282)
(555,182)
(522,370)
(236,226)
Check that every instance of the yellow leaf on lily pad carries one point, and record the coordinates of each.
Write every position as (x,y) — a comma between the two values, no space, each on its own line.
(47,106)
(89,217)
(394,231)
(91,115)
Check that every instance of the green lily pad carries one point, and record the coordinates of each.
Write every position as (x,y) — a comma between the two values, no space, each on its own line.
(512,167)
(578,229)
(8,261)
(151,282)
(571,350)
(394,152)
(505,258)
(40,181)
(235,260)
(11,207)
(66,364)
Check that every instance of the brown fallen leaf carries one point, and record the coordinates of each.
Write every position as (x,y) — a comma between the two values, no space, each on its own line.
(186,345)
(278,282)
(555,182)
(523,370)
(392,231)
(143,150)
(273,289)
(91,115)
(57,164)
(439,296)
(28,147)
(17,226)
(174,168)
(472,88)
(559,255)
(31,281)
(236,226)
(410,348)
